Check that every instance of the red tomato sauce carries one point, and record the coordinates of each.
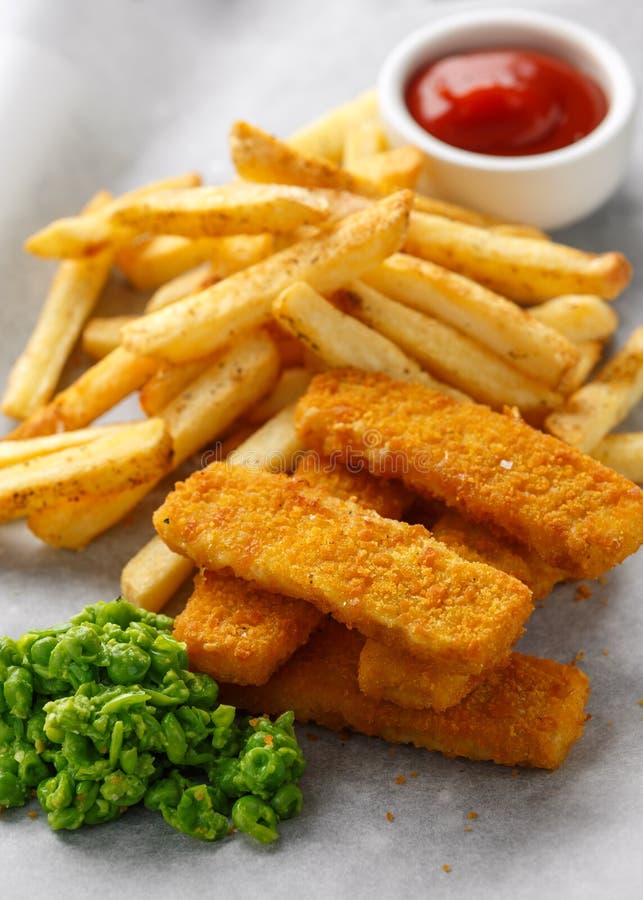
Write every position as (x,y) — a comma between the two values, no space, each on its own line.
(505,102)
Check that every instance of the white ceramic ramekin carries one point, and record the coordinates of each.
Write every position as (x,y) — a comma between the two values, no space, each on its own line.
(549,190)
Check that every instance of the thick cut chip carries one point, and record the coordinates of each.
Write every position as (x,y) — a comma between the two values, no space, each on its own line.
(391,580)
(200,324)
(572,511)
(601,404)
(72,296)
(95,392)
(325,135)
(230,210)
(527,714)
(121,459)
(527,270)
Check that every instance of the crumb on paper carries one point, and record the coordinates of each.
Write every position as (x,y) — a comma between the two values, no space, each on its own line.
(390,816)
(472,815)
(641,702)
(446,868)
(400,779)
(32,814)
(414,774)
(605,651)
(602,579)
(583,592)
(468,828)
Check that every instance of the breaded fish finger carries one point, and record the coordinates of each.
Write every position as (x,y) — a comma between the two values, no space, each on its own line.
(390,580)
(385,674)
(237,632)
(476,543)
(577,514)
(529,713)
(388,498)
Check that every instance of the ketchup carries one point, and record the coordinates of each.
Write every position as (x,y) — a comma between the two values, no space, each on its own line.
(505,102)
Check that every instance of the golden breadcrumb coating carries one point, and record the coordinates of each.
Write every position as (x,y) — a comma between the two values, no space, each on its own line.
(476,543)
(390,580)
(574,512)
(237,632)
(388,498)
(386,674)
(528,713)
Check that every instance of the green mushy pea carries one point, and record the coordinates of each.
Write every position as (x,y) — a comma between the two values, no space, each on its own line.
(101,713)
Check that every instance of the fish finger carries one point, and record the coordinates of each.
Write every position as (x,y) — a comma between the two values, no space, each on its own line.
(526,714)
(575,513)
(390,580)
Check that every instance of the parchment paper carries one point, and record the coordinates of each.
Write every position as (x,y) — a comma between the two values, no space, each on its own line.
(115,93)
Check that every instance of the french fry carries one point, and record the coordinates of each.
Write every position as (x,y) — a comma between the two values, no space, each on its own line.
(526,270)
(232,385)
(435,207)
(198,325)
(152,261)
(599,405)
(325,136)
(74,523)
(155,573)
(590,354)
(580,317)
(12,452)
(96,391)
(531,346)
(272,447)
(392,170)
(291,385)
(168,382)
(182,286)
(341,340)
(72,296)
(258,156)
(121,459)
(623,452)
(229,386)
(102,334)
(362,140)
(450,356)
(247,209)
(85,235)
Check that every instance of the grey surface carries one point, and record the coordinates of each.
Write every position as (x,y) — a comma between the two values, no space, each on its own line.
(109,94)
